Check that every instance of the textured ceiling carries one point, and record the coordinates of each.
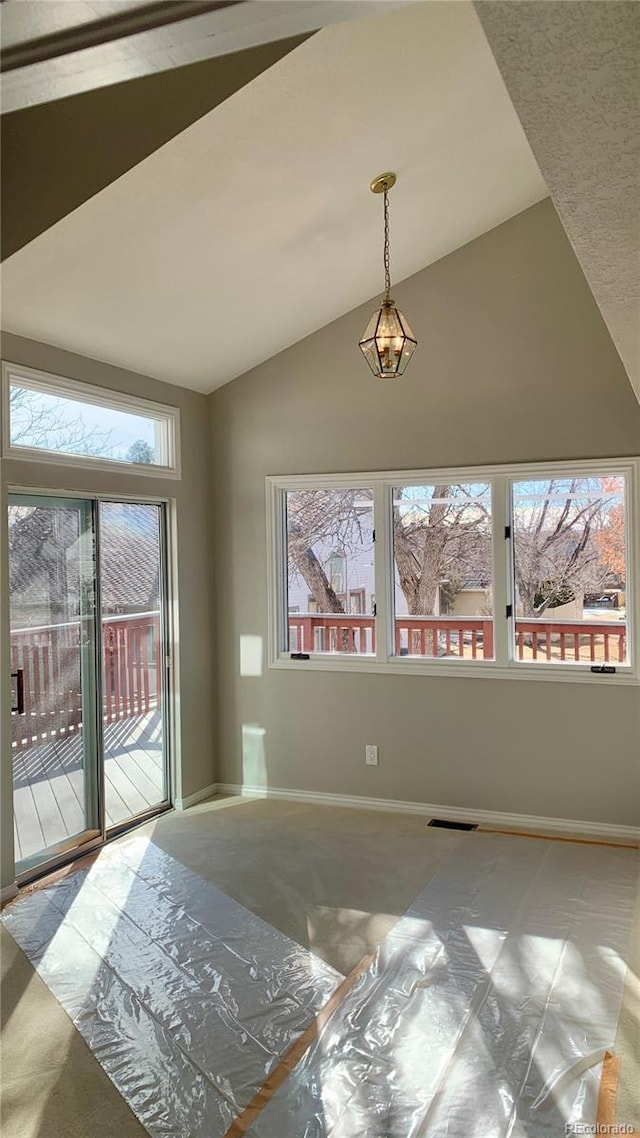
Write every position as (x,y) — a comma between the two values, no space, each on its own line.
(255,226)
(573,73)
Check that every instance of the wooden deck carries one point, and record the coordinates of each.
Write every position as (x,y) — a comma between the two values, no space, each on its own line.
(48,782)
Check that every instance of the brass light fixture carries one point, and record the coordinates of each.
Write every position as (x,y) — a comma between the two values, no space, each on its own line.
(387,342)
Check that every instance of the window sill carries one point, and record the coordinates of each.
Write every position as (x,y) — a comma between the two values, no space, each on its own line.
(88,462)
(478,669)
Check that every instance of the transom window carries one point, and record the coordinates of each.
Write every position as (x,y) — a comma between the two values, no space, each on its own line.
(49,418)
(529,571)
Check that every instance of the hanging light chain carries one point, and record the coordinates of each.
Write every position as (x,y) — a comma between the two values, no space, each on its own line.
(387,342)
(387,270)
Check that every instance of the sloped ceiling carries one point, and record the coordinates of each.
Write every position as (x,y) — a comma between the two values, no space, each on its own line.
(573,73)
(255,226)
(58,154)
(56,48)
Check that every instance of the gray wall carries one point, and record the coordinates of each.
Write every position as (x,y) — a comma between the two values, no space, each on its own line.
(514,364)
(192,495)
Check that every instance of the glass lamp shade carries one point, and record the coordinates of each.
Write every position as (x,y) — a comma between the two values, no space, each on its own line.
(387,342)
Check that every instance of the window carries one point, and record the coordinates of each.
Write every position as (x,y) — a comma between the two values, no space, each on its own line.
(507,571)
(442,557)
(337,571)
(329,552)
(570,570)
(53,419)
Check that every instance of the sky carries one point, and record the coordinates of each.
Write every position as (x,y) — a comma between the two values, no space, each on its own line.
(48,421)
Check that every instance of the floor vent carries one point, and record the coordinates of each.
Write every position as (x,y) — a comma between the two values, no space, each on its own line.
(444,825)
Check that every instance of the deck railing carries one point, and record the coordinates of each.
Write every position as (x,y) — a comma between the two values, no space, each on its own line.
(49,658)
(604,642)
(465,637)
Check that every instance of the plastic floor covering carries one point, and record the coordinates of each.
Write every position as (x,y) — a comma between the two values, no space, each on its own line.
(485,1013)
(488,1008)
(186,998)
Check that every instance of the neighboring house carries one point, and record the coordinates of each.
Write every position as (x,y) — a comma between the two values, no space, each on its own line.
(350,573)
(351,577)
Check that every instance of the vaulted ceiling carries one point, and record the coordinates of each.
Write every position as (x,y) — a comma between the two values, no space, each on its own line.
(198,219)
(255,225)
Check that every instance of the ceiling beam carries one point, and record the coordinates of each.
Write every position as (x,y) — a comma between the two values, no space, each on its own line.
(57,155)
(80,35)
(79,53)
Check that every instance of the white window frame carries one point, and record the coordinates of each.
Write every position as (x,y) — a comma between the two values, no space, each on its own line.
(505,665)
(167,421)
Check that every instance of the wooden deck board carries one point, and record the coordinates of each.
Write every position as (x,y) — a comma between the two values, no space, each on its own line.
(27,822)
(72,813)
(49,782)
(148,755)
(49,812)
(69,792)
(144,733)
(136,765)
(133,800)
(114,804)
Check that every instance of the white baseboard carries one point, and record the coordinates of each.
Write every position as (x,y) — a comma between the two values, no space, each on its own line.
(192,799)
(8,893)
(494,818)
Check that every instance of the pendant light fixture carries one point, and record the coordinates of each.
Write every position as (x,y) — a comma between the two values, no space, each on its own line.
(387,342)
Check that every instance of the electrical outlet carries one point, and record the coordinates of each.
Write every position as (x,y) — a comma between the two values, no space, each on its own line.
(371,755)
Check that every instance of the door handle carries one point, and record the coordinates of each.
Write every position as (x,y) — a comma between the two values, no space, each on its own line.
(19,678)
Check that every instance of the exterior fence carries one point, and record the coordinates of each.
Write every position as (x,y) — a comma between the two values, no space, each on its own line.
(49,658)
(465,637)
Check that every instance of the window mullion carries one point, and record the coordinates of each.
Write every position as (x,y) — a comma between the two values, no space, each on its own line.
(383,562)
(502,587)
(277,614)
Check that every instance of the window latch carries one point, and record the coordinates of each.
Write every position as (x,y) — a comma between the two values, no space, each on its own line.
(509,611)
(603,669)
(299,655)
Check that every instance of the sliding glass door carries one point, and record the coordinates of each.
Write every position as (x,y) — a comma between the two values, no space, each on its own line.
(88,653)
(53,671)
(133,703)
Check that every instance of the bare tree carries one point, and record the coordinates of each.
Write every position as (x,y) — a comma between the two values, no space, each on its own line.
(332,519)
(557,555)
(37,422)
(41,541)
(439,532)
(442,537)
